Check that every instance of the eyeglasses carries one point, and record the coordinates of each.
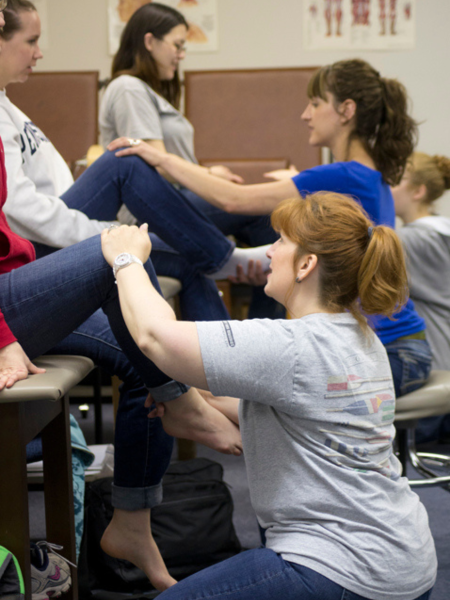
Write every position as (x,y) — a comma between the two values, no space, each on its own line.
(3,4)
(179,47)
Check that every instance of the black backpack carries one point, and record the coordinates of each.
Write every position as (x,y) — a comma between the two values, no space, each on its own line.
(192,526)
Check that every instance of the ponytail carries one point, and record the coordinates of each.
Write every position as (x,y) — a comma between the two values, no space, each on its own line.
(397,133)
(361,266)
(382,122)
(382,279)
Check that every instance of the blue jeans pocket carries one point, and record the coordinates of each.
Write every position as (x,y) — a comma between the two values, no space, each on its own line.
(410,362)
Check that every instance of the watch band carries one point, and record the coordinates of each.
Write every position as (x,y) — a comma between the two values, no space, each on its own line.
(125,259)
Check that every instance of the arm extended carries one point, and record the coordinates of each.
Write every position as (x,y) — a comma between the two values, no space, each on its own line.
(259,199)
(173,346)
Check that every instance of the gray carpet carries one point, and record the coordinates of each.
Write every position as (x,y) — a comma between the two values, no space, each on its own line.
(436,500)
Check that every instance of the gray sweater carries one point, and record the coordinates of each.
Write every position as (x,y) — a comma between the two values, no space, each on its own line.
(427,245)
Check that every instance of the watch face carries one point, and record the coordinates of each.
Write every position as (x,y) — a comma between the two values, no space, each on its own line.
(122,259)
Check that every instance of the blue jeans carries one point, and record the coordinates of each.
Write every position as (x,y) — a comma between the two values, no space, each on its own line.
(110,182)
(49,305)
(260,574)
(199,297)
(252,231)
(410,362)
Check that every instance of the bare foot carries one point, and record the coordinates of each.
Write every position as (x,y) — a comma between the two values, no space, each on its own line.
(129,537)
(190,417)
(227,405)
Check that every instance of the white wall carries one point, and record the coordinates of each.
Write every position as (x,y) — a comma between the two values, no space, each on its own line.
(267,33)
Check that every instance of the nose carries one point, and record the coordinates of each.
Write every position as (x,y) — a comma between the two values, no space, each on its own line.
(38,53)
(271,250)
(306,115)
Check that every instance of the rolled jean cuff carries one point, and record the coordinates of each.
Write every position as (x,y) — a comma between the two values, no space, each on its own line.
(126,498)
(169,391)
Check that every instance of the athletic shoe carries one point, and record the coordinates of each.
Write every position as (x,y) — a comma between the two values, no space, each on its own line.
(50,573)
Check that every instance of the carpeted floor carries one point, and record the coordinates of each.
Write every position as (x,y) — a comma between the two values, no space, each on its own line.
(436,500)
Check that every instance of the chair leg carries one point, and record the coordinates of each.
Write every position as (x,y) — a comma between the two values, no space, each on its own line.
(58,488)
(98,406)
(421,461)
(14,520)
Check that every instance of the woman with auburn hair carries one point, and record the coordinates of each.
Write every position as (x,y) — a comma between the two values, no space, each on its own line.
(426,239)
(363,118)
(317,410)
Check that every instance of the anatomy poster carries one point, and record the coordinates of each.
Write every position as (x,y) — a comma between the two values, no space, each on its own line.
(202,18)
(200,14)
(358,24)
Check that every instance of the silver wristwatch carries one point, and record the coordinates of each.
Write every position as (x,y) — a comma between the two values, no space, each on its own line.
(124,260)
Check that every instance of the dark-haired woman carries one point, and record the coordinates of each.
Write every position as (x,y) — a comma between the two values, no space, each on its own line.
(363,118)
(53,211)
(316,413)
(143,100)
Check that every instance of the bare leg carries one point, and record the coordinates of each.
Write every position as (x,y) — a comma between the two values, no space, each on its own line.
(192,418)
(225,404)
(129,537)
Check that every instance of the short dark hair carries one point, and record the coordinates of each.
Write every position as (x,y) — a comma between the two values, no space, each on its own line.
(133,58)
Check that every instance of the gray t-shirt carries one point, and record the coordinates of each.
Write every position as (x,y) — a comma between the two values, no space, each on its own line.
(427,245)
(317,427)
(131,108)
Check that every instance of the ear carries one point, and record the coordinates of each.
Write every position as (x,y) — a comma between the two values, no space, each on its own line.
(306,265)
(347,110)
(420,192)
(148,41)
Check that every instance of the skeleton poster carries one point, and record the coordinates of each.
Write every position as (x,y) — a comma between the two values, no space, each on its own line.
(358,24)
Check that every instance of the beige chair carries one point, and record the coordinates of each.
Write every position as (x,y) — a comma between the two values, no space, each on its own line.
(36,405)
(431,400)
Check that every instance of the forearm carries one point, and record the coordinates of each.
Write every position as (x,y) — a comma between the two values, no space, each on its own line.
(173,346)
(257,199)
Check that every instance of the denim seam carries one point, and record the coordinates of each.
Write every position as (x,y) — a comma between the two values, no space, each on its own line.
(252,585)
(61,285)
(92,337)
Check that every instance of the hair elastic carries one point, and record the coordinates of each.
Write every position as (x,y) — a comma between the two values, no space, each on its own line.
(370,232)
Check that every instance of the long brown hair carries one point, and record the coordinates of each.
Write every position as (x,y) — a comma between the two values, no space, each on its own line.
(361,265)
(431,171)
(12,18)
(133,58)
(383,124)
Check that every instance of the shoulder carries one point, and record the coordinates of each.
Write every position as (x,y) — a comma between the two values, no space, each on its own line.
(322,177)
(419,236)
(126,84)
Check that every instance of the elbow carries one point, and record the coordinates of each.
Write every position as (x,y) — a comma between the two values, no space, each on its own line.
(146,344)
(232,204)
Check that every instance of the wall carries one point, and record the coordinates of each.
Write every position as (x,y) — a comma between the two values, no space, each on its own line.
(267,33)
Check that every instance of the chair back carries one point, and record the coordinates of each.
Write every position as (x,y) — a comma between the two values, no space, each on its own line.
(64,105)
(250,115)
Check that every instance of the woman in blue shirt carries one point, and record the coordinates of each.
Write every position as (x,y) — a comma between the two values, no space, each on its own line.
(363,118)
